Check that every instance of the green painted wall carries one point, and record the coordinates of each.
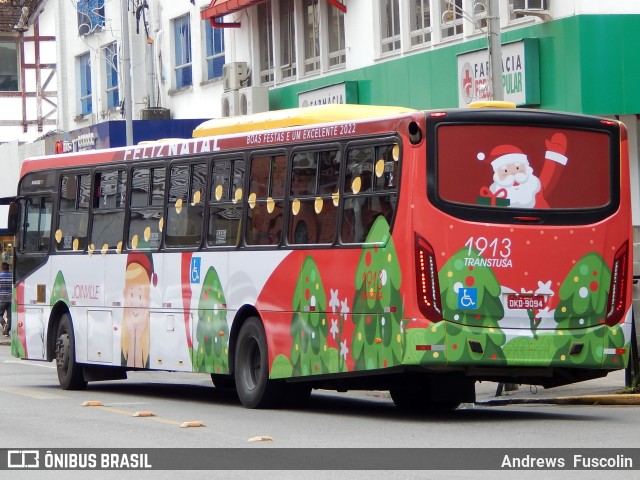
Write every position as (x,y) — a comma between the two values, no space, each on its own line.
(588,64)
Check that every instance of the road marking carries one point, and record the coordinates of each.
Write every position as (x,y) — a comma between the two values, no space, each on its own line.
(32,364)
(31,393)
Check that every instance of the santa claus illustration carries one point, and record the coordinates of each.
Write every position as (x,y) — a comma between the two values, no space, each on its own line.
(514,179)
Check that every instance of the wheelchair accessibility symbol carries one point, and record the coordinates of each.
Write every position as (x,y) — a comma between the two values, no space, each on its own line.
(195,269)
(467,298)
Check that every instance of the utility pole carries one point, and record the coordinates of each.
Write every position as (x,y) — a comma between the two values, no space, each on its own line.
(495,50)
(125,63)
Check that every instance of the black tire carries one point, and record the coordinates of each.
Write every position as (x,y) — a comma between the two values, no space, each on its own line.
(254,388)
(223,381)
(70,374)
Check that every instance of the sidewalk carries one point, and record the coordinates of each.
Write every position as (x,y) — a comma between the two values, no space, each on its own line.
(601,391)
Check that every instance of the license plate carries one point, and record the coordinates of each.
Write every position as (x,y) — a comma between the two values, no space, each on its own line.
(525,302)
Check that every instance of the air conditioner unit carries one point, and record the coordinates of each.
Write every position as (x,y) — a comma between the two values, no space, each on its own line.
(234,75)
(229,105)
(531,5)
(253,100)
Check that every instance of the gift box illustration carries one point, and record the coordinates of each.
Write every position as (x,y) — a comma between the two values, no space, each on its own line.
(494,199)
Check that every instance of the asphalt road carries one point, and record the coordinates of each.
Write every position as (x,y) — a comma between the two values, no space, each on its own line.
(38,414)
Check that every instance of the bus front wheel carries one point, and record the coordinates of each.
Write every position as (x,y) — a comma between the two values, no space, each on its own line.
(70,374)
(254,388)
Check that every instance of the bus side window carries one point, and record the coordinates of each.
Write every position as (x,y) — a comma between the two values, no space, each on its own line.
(187,185)
(146,217)
(108,210)
(225,203)
(37,225)
(73,218)
(370,189)
(266,200)
(313,210)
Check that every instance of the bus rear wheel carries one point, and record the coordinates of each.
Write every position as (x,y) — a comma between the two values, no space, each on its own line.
(69,371)
(254,388)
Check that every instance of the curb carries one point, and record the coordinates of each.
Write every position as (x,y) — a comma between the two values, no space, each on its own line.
(609,399)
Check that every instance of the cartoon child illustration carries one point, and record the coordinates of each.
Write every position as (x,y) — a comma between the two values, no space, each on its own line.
(514,179)
(137,298)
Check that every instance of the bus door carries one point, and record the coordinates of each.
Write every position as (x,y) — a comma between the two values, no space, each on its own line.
(32,273)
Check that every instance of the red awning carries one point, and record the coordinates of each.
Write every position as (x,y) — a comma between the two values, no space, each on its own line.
(219,8)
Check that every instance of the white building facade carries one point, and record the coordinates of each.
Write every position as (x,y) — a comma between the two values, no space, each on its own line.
(570,55)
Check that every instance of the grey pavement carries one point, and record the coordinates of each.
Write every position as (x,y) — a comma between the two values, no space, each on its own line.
(601,391)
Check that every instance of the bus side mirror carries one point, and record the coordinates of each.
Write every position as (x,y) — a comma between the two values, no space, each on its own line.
(12,221)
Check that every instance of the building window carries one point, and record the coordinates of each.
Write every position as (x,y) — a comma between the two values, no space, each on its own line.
(451,21)
(9,67)
(214,38)
(84,76)
(335,31)
(420,22)
(265,35)
(111,75)
(390,25)
(287,39)
(182,39)
(311,36)
(90,16)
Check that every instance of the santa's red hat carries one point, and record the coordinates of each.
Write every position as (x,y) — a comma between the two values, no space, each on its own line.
(145,260)
(505,155)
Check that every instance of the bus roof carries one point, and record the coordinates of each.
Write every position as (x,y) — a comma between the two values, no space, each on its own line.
(293,117)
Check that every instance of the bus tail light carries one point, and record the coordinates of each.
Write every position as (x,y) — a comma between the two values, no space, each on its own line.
(618,288)
(427,284)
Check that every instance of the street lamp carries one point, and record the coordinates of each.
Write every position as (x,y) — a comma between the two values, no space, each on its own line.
(126,74)
(492,8)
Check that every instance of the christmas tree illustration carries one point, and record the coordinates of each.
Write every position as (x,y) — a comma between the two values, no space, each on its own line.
(583,301)
(59,291)
(310,354)
(212,332)
(472,321)
(377,305)
(583,304)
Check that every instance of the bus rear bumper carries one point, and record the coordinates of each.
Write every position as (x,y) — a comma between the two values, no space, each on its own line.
(449,344)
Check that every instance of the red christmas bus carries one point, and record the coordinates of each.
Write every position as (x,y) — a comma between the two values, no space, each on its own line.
(341,247)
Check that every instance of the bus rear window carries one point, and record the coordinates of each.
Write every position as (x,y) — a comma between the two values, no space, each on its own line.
(517,166)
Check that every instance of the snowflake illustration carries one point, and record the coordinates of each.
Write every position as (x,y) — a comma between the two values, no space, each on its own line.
(334,303)
(343,349)
(334,328)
